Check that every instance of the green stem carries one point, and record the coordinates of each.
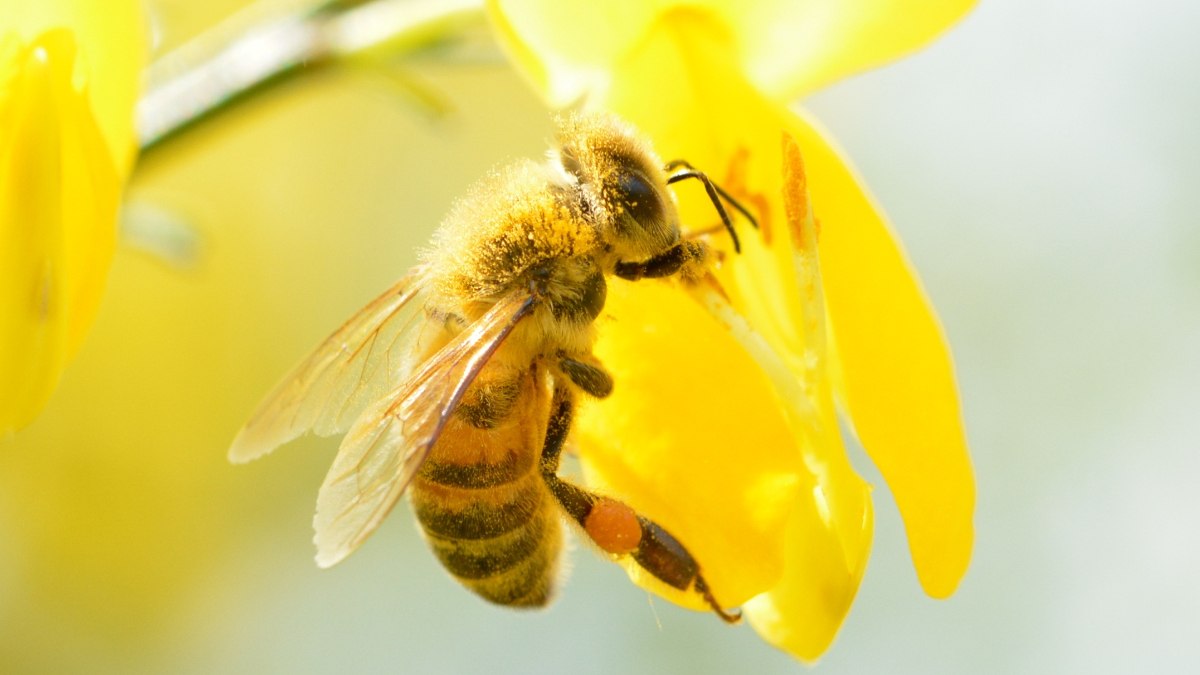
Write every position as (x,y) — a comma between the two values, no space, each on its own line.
(231,64)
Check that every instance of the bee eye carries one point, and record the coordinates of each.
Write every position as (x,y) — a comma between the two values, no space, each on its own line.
(640,199)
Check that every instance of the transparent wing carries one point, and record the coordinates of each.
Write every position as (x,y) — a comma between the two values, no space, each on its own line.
(352,368)
(385,447)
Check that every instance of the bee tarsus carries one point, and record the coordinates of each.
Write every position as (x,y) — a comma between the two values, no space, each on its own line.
(727,616)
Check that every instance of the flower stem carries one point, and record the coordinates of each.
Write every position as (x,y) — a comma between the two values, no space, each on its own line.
(234,62)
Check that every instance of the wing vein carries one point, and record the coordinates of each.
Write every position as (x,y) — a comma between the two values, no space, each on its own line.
(386,445)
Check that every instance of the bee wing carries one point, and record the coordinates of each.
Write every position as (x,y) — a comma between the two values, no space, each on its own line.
(354,366)
(385,447)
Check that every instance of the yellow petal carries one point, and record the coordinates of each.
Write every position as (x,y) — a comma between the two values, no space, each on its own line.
(902,396)
(897,380)
(803,612)
(718,471)
(111,41)
(58,202)
(567,48)
(732,131)
(825,560)
(70,72)
(828,536)
(786,47)
(790,48)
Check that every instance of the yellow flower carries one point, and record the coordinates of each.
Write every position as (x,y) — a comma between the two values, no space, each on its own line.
(69,78)
(724,429)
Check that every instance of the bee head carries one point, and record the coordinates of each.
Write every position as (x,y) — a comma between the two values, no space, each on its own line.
(621,185)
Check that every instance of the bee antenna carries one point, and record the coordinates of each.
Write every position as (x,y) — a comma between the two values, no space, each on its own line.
(715,194)
(675,164)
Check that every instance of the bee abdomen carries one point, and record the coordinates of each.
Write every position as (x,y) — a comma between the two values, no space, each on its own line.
(517,568)
(502,543)
(489,403)
(480,475)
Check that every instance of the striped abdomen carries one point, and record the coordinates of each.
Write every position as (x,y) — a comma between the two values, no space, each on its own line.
(480,496)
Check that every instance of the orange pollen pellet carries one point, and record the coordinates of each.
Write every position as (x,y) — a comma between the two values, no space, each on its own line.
(613,526)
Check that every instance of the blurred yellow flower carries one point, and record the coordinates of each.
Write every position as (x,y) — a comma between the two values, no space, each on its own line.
(727,434)
(69,79)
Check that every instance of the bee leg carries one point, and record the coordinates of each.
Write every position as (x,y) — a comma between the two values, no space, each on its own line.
(664,264)
(614,526)
(588,375)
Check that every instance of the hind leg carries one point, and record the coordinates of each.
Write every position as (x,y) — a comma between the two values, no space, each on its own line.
(614,526)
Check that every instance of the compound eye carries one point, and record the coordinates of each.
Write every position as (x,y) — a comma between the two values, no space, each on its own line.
(640,199)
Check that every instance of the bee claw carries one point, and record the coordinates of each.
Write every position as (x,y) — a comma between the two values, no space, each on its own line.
(730,617)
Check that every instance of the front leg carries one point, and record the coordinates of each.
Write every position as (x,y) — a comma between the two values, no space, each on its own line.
(615,527)
(683,257)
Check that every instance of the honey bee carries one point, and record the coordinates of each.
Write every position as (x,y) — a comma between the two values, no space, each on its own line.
(459,383)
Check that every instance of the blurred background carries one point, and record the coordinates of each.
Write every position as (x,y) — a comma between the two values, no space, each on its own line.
(1039,163)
